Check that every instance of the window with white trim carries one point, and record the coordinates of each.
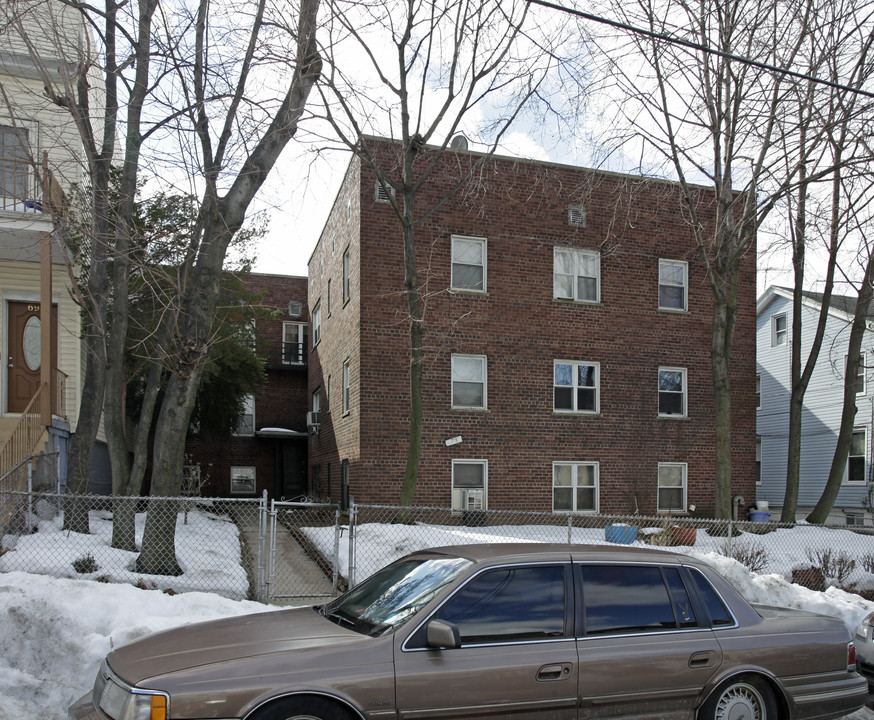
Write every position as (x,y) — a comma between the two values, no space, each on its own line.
(672,487)
(317,323)
(294,343)
(673,285)
(242,480)
(347,274)
(470,484)
(469,382)
(576,386)
(575,487)
(14,165)
(576,274)
(856,459)
(779,330)
(672,392)
(347,381)
(328,299)
(317,400)
(468,264)
(758,391)
(246,422)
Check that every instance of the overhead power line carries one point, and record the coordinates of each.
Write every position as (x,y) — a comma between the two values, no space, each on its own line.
(701,48)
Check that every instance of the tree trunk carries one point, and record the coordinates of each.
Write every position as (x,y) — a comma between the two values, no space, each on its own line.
(414,306)
(838,469)
(720,363)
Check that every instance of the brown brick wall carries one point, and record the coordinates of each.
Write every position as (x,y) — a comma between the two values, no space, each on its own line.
(282,402)
(521,208)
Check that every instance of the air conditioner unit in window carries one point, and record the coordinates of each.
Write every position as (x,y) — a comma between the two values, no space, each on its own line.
(472,499)
(312,419)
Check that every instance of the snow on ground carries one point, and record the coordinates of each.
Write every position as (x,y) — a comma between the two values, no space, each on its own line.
(55,631)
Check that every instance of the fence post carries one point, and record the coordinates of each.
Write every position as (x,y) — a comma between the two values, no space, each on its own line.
(30,495)
(336,574)
(570,528)
(352,513)
(262,548)
(271,557)
(730,534)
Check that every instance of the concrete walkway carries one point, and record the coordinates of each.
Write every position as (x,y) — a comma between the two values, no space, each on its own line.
(298,579)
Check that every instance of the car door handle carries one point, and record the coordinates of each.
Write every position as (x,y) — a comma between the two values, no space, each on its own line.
(701,659)
(558,671)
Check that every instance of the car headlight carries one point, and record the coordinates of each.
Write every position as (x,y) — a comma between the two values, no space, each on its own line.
(121,701)
(865,631)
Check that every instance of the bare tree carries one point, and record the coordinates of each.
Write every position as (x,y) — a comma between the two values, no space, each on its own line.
(425,70)
(709,117)
(211,93)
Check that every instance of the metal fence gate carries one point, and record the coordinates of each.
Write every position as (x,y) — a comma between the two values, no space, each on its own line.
(298,552)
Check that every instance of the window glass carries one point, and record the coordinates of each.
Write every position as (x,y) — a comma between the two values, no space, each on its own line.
(575,387)
(682,605)
(672,391)
(577,274)
(625,599)
(856,458)
(779,332)
(468,381)
(13,162)
(469,484)
(509,604)
(672,285)
(468,264)
(719,615)
(574,487)
(672,487)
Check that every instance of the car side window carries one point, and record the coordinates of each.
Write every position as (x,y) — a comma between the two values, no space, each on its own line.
(629,599)
(509,605)
(719,614)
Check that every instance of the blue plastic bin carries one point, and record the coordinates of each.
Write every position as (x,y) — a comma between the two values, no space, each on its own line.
(620,534)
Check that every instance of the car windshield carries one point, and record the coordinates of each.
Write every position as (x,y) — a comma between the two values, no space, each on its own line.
(390,597)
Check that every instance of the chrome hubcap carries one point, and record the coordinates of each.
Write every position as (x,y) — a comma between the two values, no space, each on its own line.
(741,702)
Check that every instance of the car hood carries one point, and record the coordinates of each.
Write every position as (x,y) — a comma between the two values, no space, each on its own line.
(218,641)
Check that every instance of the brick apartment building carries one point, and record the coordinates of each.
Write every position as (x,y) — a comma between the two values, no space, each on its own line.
(567,337)
(268,451)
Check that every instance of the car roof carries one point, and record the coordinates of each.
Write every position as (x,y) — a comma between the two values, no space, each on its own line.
(527,552)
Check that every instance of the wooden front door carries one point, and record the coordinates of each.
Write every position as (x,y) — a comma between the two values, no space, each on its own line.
(24,355)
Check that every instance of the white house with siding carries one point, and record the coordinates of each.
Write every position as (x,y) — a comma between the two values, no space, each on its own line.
(40,157)
(823,402)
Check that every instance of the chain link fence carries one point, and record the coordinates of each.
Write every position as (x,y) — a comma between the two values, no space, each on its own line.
(303,553)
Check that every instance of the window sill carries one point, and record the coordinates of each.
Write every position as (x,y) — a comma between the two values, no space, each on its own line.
(465,291)
(481,411)
(584,303)
(673,417)
(572,414)
(674,311)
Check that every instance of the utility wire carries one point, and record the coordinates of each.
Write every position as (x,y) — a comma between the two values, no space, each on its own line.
(701,48)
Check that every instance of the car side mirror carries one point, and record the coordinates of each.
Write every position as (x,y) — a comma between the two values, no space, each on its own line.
(443,635)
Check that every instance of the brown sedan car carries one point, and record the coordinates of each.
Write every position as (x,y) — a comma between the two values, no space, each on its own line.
(498,631)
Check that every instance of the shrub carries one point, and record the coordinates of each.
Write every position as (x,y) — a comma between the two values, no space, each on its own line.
(752,555)
(837,566)
(85,565)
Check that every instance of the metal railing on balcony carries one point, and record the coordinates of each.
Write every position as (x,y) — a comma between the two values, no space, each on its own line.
(20,189)
(288,355)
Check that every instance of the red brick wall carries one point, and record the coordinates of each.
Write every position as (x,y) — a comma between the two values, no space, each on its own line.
(521,208)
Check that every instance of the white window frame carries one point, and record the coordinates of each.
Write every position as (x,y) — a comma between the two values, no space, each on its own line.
(667,283)
(575,486)
(684,470)
(328,297)
(575,256)
(456,362)
(758,391)
(347,275)
(243,472)
(684,393)
(458,492)
(864,456)
(457,241)
(20,164)
(241,430)
(294,333)
(317,400)
(347,384)
(317,323)
(779,338)
(576,387)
